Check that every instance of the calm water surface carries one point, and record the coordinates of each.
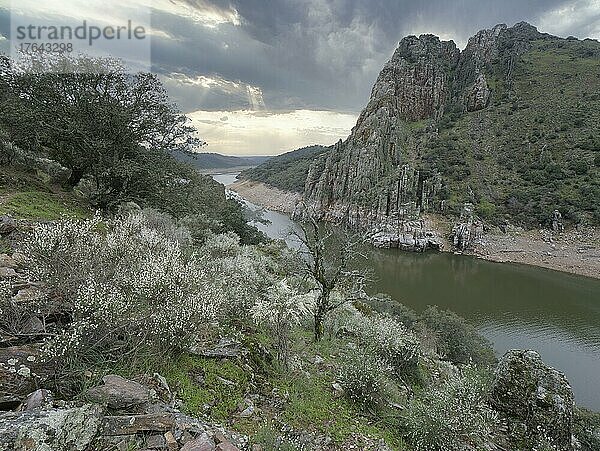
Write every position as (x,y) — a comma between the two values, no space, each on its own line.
(514,306)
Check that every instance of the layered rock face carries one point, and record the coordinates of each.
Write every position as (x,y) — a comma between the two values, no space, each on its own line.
(373,179)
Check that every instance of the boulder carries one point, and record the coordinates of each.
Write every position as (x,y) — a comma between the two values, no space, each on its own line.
(21,372)
(226,348)
(29,294)
(8,273)
(202,443)
(119,393)
(56,429)
(134,424)
(528,392)
(227,446)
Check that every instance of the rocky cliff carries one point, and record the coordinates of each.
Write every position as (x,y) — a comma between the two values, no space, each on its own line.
(443,128)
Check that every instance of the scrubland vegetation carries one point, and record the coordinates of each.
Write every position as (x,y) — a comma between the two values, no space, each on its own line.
(144,263)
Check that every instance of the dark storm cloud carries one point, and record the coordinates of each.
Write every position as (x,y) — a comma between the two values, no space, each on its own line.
(325,54)
(318,54)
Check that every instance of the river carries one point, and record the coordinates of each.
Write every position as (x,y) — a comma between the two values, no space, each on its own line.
(514,306)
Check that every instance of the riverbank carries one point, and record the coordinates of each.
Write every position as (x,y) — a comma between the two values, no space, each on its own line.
(266,196)
(575,252)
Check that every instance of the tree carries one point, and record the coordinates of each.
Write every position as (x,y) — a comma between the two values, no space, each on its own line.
(327,264)
(89,114)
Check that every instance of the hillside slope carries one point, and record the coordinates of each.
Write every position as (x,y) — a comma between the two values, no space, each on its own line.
(208,160)
(287,171)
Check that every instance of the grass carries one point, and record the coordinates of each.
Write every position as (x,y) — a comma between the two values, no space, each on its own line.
(207,386)
(41,205)
(25,195)
(5,247)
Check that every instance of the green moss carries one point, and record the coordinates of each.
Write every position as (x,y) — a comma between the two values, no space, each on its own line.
(208,386)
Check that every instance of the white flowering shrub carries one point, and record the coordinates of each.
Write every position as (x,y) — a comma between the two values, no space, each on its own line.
(280,310)
(454,416)
(136,284)
(244,274)
(363,376)
(389,339)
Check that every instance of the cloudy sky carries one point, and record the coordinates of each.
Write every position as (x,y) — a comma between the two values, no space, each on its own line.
(262,77)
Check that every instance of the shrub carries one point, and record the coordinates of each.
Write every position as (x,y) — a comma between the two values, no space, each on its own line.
(363,377)
(586,427)
(390,341)
(13,316)
(384,304)
(129,287)
(486,209)
(281,309)
(136,285)
(453,416)
(456,339)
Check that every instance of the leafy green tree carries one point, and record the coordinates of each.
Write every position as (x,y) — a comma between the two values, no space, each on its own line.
(89,114)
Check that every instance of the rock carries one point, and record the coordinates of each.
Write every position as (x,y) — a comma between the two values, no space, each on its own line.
(375,179)
(133,424)
(6,261)
(318,360)
(226,348)
(410,236)
(227,446)
(248,411)
(225,381)
(39,399)
(540,397)
(172,444)
(46,168)
(202,443)
(19,258)
(468,232)
(479,95)
(57,429)
(86,187)
(21,372)
(8,273)
(7,225)
(119,393)
(155,442)
(220,437)
(29,294)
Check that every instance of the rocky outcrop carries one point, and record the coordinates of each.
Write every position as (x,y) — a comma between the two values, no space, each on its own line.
(532,394)
(375,180)
(55,429)
(415,82)
(40,423)
(408,235)
(468,232)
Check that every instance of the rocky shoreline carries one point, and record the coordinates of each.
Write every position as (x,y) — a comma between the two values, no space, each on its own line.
(572,251)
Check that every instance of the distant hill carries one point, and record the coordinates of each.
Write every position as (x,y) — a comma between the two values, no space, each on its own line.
(218,161)
(287,171)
